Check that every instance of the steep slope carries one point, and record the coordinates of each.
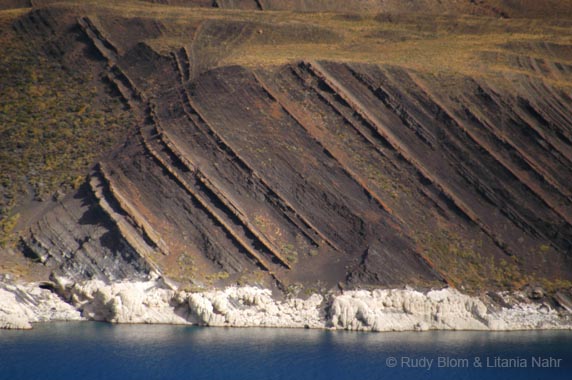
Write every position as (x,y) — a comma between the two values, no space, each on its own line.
(303,151)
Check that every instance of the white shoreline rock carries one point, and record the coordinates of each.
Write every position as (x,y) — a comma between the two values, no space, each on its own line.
(24,304)
(444,309)
(400,310)
(125,302)
(248,306)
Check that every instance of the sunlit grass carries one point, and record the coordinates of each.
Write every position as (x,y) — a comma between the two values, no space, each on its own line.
(428,43)
(52,126)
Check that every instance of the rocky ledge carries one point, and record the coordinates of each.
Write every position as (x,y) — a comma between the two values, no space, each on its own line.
(24,304)
(155,301)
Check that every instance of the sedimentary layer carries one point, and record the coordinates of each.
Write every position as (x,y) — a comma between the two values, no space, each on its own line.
(298,152)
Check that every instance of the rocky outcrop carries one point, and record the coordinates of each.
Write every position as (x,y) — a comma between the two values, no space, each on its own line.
(135,302)
(444,309)
(397,310)
(362,310)
(82,240)
(254,307)
(23,304)
(313,173)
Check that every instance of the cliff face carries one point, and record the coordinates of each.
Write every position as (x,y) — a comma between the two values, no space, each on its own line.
(362,310)
(303,151)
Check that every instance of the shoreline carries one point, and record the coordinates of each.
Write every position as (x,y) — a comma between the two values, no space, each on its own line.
(379,310)
(332,329)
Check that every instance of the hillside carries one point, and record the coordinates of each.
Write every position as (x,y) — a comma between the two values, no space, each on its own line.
(295,145)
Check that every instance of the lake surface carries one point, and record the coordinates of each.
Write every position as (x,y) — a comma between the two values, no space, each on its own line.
(90,350)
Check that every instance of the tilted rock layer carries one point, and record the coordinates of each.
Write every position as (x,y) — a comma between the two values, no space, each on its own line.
(314,172)
(313,154)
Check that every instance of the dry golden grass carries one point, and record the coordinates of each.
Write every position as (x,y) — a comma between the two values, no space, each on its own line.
(52,124)
(434,44)
(426,43)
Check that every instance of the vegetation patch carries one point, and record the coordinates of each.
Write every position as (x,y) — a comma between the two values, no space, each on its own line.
(290,253)
(466,267)
(53,123)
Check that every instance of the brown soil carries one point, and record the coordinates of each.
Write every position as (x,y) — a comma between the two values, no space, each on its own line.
(314,172)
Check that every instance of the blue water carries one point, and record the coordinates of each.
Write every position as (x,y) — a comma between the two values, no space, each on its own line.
(92,350)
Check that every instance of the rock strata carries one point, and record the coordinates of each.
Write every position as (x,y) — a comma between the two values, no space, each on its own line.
(320,167)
